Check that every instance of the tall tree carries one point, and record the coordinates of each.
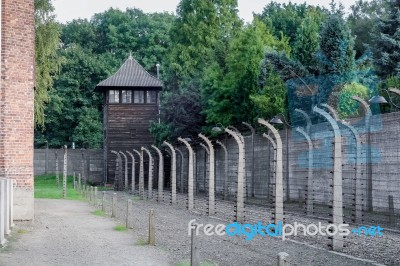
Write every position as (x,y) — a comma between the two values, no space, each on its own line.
(47,41)
(386,46)
(227,95)
(199,38)
(362,20)
(336,54)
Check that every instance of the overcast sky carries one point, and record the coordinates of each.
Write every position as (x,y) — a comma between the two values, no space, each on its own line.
(68,10)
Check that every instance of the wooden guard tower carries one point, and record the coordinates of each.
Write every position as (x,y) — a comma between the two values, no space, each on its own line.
(131,103)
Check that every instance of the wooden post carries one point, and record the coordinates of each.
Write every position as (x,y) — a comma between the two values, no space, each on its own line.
(152,228)
(65,173)
(114,206)
(283,259)
(194,250)
(103,202)
(128,212)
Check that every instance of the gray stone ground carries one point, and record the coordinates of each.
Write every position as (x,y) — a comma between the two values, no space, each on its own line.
(66,233)
(172,235)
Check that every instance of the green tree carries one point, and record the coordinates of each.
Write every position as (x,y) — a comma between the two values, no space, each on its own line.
(386,46)
(362,20)
(306,43)
(199,37)
(47,41)
(347,106)
(227,95)
(336,53)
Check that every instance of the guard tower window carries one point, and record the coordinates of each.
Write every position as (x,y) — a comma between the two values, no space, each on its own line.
(138,96)
(113,96)
(151,97)
(126,96)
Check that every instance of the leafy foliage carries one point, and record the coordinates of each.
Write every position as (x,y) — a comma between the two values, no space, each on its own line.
(347,106)
(47,40)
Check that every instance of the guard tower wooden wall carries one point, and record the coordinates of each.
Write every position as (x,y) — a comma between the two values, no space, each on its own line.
(131,103)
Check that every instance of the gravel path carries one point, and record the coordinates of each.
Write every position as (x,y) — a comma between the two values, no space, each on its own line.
(172,235)
(66,233)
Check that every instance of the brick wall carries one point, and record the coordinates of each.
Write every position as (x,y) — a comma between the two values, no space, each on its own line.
(16,102)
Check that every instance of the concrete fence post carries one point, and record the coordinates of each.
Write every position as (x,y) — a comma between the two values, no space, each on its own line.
(141,173)
(152,228)
(226,192)
(283,259)
(95,197)
(151,170)
(392,218)
(310,178)
(65,165)
(133,172)
(126,180)
(368,114)
(211,176)
(74,181)
(2,212)
(194,249)
(83,166)
(160,174)
(103,202)
(181,185)
(278,214)
(79,182)
(337,198)
(271,182)
(173,172)
(190,174)
(57,171)
(114,206)
(118,171)
(241,175)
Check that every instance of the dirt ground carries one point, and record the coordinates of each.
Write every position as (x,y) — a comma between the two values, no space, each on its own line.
(66,233)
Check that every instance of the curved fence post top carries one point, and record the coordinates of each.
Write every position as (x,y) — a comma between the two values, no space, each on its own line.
(221,144)
(116,153)
(330,119)
(270,139)
(364,104)
(147,151)
(137,152)
(236,134)
(305,135)
(123,154)
(157,150)
(186,143)
(253,131)
(130,154)
(306,117)
(332,111)
(205,148)
(272,128)
(169,146)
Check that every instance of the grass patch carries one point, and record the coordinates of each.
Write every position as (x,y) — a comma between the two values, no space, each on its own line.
(46,188)
(120,228)
(142,242)
(99,213)
(202,263)
(22,231)
(135,198)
